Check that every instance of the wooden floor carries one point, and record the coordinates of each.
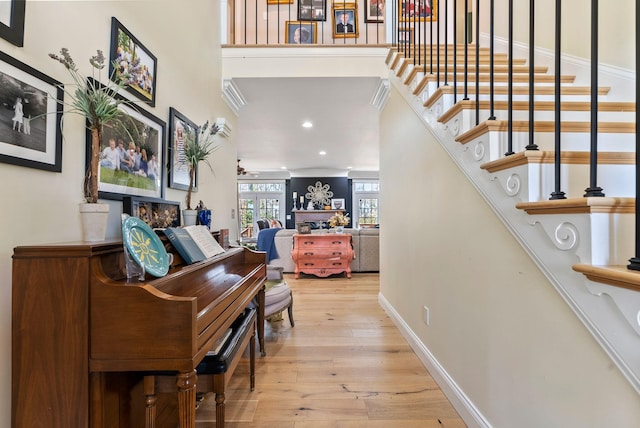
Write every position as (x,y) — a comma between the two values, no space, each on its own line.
(343,365)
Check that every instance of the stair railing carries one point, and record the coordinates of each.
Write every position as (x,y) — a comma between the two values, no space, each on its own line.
(532,44)
(634,262)
(557,193)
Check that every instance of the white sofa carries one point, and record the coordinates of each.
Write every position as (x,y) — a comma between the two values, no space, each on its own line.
(365,247)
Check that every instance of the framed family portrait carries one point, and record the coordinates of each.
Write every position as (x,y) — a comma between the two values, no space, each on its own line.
(30,114)
(137,170)
(374,11)
(181,131)
(301,33)
(405,35)
(345,20)
(134,61)
(12,21)
(157,213)
(418,10)
(312,10)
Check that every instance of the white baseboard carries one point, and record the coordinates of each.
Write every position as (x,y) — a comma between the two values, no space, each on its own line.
(459,400)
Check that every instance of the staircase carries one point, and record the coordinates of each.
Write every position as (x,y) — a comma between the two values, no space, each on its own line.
(582,244)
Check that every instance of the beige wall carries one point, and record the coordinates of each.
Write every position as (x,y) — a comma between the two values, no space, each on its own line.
(497,326)
(616,28)
(41,207)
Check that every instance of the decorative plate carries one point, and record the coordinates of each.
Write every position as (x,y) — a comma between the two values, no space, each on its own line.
(145,247)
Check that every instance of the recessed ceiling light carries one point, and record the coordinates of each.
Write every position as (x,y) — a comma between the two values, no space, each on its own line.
(322,153)
(283,167)
(307,124)
(349,167)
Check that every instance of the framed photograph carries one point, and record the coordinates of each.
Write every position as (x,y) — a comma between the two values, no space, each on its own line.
(301,33)
(312,10)
(405,35)
(30,116)
(157,213)
(374,11)
(181,131)
(303,228)
(418,10)
(345,20)
(337,204)
(134,61)
(137,168)
(12,21)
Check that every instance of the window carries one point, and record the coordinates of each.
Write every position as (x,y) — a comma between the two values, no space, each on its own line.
(366,203)
(259,200)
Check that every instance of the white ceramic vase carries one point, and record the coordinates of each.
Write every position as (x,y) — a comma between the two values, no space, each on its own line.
(94,221)
(189,217)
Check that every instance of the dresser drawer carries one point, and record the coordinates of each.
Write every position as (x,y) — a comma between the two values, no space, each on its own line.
(325,241)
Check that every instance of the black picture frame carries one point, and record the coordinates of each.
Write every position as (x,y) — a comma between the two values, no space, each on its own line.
(303,228)
(374,11)
(12,26)
(145,131)
(157,213)
(31,138)
(178,170)
(312,10)
(134,59)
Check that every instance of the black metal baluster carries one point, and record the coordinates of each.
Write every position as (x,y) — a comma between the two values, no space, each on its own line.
(558,194)
(438,46)
(431,40)
(466,49)
(446,44)
(477,61)
(532,43)
(634,262)
(510,85)
(492,116)
(455,53)
(593,189)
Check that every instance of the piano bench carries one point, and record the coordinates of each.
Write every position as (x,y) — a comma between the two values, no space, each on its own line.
(215,370)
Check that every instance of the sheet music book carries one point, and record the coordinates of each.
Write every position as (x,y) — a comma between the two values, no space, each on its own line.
(204,240)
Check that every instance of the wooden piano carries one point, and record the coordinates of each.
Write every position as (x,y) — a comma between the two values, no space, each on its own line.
(83,338)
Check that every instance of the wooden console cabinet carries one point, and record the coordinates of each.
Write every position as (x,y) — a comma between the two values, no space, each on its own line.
(322,255)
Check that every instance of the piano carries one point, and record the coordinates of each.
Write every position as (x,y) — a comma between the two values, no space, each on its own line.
(84,339)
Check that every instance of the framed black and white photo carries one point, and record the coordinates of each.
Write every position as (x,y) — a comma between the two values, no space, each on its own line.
(181,131)
(30,116)
(157,213)
(12,21)
(138,168)
(312,10)
(134,61)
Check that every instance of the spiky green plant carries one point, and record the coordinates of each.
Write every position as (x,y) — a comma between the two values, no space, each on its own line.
(198,150)
(97,102)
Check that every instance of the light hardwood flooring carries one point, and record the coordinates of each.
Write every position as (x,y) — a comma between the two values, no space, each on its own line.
(343,365)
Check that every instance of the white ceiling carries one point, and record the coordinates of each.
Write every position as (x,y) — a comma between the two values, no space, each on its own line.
(345,125)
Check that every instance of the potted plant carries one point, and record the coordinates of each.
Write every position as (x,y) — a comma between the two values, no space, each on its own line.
(98,103)
(339,221)
(198,150)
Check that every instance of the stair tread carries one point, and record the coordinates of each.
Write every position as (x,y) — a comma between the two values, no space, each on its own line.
(517,90)
(567,157)
(589,205)
(616,275)
(603,106)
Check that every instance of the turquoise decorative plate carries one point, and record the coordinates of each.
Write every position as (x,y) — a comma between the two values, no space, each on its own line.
(145,247)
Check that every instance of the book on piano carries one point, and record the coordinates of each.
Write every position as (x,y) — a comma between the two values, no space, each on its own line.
(194,243)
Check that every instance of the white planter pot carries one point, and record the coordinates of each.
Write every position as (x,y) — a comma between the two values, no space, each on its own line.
(189,217)
(94,221)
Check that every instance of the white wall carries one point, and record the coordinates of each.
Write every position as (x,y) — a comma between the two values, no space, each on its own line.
(497,326)
(41,207)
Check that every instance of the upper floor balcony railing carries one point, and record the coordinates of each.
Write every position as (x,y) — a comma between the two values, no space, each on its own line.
(310,22)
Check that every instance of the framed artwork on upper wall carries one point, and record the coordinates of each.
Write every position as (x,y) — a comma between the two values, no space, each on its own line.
(134,61)
(418,10)
(345,20)
(12,21)
(374,12)
(312,10)
(301,33)
(181,131)
(138,170)
(30,113)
